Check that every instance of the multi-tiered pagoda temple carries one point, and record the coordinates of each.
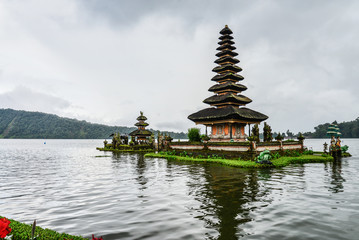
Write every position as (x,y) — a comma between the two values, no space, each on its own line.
(141,134)
(227,117)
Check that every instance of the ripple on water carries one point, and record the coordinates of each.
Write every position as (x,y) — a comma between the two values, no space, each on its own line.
(126,196)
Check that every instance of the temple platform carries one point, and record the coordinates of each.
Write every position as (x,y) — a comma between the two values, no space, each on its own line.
(237,148)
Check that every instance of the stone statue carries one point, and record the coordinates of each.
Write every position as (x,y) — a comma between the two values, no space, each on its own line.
(264,157)
(332,144)
(337,143)
(325,147)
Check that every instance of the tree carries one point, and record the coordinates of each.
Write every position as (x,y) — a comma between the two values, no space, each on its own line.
(267,133)
(290,134)
(22,124)
(194,135)
(255,133)
(279,137)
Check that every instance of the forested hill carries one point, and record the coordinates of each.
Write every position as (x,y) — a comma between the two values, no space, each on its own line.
(347,129)
(23,124)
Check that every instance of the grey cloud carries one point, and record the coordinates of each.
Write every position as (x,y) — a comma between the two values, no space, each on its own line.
(130,55)
(171,126)
(23,98)
(122,14)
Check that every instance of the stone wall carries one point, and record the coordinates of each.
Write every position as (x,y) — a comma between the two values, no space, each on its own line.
(229,148)
(237,146)
(187,147)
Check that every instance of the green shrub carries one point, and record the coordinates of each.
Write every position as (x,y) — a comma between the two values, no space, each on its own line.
(292,153)
(214,156)
(308,152)
(205,137)
(171,152)
(183,154)
(194,135)
(275,155)
(345,148)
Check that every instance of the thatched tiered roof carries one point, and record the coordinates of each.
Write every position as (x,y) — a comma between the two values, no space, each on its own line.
(141,124)
(234,114)
(227,99)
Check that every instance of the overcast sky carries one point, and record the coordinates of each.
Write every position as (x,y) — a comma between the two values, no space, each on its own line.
(105,61)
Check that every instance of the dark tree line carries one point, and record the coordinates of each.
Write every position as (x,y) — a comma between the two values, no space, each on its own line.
(23,124)
(348,129)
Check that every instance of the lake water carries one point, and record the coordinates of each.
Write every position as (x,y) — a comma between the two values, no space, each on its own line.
(68,187)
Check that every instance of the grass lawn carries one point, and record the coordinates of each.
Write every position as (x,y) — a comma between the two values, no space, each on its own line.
(125,150)
(22,231)
(280,162)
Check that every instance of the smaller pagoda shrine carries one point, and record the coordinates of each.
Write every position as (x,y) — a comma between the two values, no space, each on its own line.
(141,135)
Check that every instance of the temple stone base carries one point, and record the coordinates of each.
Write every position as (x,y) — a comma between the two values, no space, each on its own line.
(226,138)
(238,146)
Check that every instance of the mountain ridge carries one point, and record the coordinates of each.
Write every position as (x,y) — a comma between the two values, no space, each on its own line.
(27,124)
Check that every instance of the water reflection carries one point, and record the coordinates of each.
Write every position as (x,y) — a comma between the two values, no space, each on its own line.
(136,162)
(220,202)
(265,173)
(226,197)
(141,169)
(337,179)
